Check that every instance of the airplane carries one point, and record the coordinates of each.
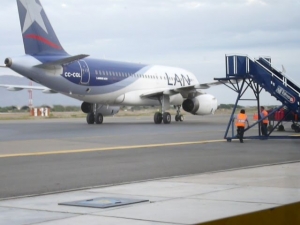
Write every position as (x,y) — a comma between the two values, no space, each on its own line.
(102,85)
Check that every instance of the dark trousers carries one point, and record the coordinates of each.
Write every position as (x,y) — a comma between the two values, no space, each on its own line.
(264,129)
(240,132)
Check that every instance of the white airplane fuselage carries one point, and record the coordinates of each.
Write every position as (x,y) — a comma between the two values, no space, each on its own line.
(112,86)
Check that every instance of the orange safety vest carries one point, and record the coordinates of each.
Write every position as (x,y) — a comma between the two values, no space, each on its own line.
(265,113)
(255,116)
(241,120)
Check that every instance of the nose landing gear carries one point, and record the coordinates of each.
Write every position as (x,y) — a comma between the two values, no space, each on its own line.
(178,117)
(164,116)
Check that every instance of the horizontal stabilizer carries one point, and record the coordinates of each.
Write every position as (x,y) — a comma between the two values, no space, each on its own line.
(11,87)
(61,62)
(3,66)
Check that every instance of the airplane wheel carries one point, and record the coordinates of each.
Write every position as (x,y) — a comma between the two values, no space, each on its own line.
(181,118)
(157,118)
(177,118)
(99,118)
(270,127)
(280,128)
(167,118)
(90,119)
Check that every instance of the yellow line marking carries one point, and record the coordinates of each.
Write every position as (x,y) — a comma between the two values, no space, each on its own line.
(108,148)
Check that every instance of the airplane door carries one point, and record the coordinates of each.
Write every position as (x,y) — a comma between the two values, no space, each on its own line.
(85,72)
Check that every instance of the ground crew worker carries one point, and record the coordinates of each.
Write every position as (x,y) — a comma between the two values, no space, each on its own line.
(265,122)
(241,120)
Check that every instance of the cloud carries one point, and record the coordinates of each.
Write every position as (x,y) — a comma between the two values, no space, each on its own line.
(252,2)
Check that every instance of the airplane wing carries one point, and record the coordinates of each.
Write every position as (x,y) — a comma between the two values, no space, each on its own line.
(184,91)
(11,87)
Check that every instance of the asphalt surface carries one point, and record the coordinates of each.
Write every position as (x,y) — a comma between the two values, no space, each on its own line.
(69,154)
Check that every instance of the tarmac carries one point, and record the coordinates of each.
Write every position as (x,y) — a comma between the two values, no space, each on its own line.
(175,174)
(190,199)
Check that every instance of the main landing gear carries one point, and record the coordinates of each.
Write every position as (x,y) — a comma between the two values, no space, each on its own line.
(92,118)
(162,117)
(92,115)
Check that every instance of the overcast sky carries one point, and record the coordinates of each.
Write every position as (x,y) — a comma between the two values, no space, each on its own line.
(191,34)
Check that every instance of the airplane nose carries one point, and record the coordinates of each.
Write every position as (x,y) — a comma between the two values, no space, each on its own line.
(8,62)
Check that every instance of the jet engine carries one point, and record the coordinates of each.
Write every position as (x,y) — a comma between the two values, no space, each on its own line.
(86,107)
(200,105)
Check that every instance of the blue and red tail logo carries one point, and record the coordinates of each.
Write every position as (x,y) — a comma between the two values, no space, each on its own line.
(38,35)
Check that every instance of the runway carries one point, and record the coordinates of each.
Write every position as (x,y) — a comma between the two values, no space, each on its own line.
(42,156)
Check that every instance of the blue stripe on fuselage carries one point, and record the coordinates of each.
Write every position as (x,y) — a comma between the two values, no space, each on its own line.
(110,67)
(74,71)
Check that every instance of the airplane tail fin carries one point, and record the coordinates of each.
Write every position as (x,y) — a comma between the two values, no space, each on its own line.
(38,35)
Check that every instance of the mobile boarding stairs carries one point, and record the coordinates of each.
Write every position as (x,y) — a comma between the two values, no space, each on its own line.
(243,73)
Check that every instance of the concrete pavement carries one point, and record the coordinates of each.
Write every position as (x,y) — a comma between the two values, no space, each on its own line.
(180,200)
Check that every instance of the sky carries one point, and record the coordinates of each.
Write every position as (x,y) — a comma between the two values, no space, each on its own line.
(194,35)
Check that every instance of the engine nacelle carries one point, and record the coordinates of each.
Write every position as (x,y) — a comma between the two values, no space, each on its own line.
(201,105)
(86,107)
(103,109)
